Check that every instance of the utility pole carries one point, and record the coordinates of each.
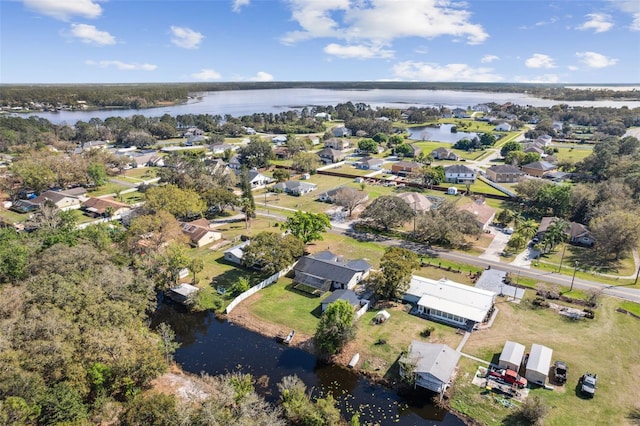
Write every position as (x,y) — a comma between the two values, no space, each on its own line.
(564,247)
(575,269)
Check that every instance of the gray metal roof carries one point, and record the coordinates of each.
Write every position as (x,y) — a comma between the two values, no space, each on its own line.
(436,359)
(347,295)
(330,267)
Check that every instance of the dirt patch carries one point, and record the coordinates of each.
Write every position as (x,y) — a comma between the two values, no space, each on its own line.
(241,315)
(176,382)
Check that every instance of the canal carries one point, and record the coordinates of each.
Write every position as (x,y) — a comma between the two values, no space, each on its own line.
(215,346)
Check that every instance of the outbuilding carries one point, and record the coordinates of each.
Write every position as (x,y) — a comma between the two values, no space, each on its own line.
(432,364)
(538,364)
(511,356)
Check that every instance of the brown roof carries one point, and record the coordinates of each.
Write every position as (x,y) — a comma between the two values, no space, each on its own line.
(482,211)
(100,205)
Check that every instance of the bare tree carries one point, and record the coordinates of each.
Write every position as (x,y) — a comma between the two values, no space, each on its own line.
(350,198)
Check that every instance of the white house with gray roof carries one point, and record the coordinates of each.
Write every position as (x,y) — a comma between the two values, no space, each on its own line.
(295,187)
(432,364)
(459,174)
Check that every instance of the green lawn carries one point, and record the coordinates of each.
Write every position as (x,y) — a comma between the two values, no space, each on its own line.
(13,217)
(574,154)
(140,173)
(280,303)
(586,345)
(109,188)
(352,170)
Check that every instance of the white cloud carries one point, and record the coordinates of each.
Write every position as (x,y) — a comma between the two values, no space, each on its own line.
(186,37)
(573,68)
(91,35)
(65,9)
(123,66)
(596,60)
(239,4)
(598,22)
(538,60)
(357,51)
(206,74)
(382,21)
(631,7)
(545,78)
(261,76)
(486,59)
(410,70)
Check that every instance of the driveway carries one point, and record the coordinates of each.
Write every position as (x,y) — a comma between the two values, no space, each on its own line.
(495,249)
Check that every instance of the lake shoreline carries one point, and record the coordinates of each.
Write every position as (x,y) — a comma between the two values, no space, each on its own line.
(241,316)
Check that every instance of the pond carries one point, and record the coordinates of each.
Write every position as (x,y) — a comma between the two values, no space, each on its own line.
(441,133)
(215,346)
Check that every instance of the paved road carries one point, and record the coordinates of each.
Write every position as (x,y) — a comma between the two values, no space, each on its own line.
(621,292)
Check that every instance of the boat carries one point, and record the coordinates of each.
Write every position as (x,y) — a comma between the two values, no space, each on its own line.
(354,360)
(287,340)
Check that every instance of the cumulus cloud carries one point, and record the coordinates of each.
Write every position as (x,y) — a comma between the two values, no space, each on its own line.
(206,74)
(631,7)
(598,22)
(538,60)
(186,37)
(596,60)
(357,51)
(261,76)
(545,78)
(123,66)
(382,21)
(65,9)
(91,35)
(410,70)
(572,68)
(486,59)
(239,4)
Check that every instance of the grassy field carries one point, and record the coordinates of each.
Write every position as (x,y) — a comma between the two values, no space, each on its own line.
(109,188)
(141,173)
(587,345)
(13,217)
(574,154)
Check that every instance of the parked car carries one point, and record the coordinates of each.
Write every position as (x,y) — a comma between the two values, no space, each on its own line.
(588,384)
(560,372)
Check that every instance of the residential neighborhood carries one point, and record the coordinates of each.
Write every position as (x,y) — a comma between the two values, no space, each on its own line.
(465,251)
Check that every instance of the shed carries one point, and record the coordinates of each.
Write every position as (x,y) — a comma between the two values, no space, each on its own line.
(511,356)
(538,364)
(452,190)
(182,292)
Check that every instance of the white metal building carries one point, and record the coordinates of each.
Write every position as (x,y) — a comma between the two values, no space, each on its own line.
(511,356)
(538,364)
(449,301)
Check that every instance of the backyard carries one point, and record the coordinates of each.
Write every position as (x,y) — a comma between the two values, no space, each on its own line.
(582,344)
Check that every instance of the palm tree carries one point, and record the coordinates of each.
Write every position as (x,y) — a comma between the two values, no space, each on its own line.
(248,209)
(527,228)
(556,233)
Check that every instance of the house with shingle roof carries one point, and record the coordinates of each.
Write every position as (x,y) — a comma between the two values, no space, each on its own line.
(418,202)
(459,174)
(538,168)
(295,187)
(105,207)
(325,271)
(443,153)
(504,173)
(199,232)
(404,168)
(483,213)
(435,364)
(370,163)
(330,155)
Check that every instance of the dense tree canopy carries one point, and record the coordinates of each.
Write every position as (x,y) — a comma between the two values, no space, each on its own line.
(396,266)
(307,226)
(272,252)
(336,327)
(387,212)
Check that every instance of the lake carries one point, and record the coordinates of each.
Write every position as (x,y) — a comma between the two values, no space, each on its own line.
(441,133)
(246,102)
(216,346)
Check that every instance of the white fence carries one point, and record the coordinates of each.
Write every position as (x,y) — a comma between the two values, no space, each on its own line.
(362,310)
(253,290)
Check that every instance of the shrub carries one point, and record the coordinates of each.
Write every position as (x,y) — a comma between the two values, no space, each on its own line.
(427,331)
(533,410)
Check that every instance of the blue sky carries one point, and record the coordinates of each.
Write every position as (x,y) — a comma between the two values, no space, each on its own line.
(125,41)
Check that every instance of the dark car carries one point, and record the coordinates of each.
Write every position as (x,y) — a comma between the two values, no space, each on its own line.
(588,384)
(560,372)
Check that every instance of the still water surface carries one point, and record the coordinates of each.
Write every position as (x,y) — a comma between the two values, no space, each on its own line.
(441,133)
(216,347)
(247,102)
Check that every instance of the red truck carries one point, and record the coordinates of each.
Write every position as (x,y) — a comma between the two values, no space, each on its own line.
(509,376)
